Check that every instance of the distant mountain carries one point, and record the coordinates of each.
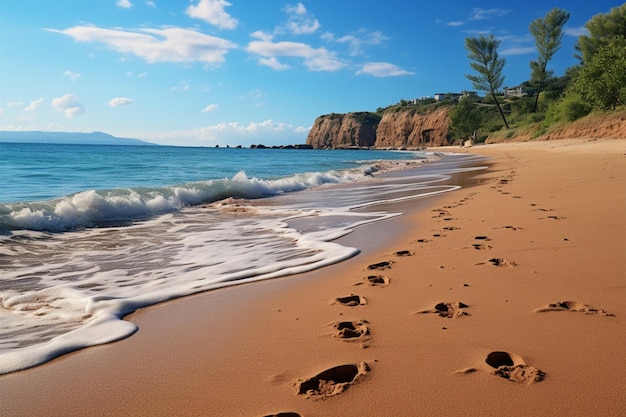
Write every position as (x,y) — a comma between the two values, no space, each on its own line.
(94,138)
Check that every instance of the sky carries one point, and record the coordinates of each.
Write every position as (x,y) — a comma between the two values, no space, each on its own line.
(217,72)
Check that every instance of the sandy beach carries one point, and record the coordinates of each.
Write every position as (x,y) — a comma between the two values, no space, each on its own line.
(504,298)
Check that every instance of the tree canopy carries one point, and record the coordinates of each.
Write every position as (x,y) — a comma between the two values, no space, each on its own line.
(548,33)
(602,80)
(602,29)
(483,54)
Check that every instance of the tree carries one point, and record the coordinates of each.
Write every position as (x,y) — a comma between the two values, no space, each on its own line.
(483,54)
(465,118)
(602,80)
(602,29)
(548,33)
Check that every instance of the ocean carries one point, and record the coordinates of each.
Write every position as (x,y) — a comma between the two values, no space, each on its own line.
(89,234)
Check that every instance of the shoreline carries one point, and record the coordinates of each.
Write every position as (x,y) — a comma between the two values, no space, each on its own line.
(550,212)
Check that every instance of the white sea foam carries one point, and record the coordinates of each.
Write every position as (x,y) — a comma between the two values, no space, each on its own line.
(64,291)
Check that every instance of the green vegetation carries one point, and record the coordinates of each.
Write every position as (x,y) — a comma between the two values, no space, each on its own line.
(548,33)
(597,84)
(483,52)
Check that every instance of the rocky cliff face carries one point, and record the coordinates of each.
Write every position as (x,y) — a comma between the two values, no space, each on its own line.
(412,130)
(396,129)
(343,131)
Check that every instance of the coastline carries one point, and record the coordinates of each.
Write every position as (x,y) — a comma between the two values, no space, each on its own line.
(552,213)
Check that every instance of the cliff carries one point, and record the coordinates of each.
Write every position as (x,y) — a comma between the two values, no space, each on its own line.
(410,129)
(396,129)
(344,130)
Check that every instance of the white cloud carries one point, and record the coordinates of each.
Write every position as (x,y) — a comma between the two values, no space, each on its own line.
(383,69)
(171,44)
(454,24)
(124,4)
(517,45)
(273,63)
(1,111)
(482,14)
(212,11)
(150,4)
(69,105)
(315,59)
(72,75)
(357,41)
(14,103)
(266,132)
(576,32)
(183,86)
(209,108)
(301,22)
(259,34)
(34,105)
(120,101)
(518,50)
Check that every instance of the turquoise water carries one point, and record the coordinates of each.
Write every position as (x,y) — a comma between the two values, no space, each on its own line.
(31,172)
(66,187)
(89,234)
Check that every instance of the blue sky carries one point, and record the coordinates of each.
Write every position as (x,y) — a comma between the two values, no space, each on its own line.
(217,72)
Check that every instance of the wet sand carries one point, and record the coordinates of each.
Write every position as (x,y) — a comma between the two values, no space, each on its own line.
(503,298)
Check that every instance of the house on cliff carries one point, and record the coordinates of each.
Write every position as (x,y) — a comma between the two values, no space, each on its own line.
(455,96)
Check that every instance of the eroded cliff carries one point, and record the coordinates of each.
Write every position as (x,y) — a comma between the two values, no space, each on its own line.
(396,129)
(344,130)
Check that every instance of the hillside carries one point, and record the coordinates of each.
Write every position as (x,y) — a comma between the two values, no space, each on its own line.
(409,128)
(94,138)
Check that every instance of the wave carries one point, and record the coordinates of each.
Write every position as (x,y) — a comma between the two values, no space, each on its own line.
(116,207)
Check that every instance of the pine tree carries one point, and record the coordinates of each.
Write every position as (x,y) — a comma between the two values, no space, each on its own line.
(483,54)
(548,33)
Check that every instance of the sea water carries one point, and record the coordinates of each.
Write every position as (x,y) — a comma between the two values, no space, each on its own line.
(90,233)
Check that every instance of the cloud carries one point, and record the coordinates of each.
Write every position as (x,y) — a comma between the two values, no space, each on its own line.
(454,24)
(212,11)
(14,103)
(72,75)
(482,14)
(576,32)
(69,105)
(171,44)
(183,86)
(301,22)
(517,45)
(120,101)
(209,108)
(234,133)
(518,50)
(124,4)
(357,41)
(34,105)
(383,69)
(273,63)
(315,59)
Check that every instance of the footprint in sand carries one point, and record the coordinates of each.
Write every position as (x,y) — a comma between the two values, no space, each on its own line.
(403,253)
(509,366)
(332,381)
(287,414)
(375,280)
(574,306)
(352,330)
(447,310)
(380,265)
(480,246)
(351,300)
(500,262)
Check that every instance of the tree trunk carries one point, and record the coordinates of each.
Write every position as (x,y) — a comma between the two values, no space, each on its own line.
(500,110)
